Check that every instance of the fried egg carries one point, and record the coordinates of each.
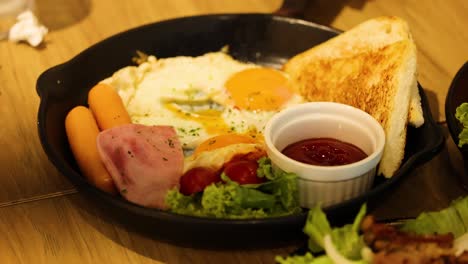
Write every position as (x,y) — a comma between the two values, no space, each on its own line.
(203,96)
(216,158)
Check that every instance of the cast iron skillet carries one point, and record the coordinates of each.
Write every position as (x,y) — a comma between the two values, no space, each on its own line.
(258,38)
(456,95)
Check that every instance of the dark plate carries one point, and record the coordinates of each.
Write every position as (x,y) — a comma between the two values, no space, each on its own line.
(456,95)
(259,38)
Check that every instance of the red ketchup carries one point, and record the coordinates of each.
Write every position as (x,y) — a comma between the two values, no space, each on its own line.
(324,152)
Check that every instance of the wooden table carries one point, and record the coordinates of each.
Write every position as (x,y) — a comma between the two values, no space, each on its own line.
(41,216)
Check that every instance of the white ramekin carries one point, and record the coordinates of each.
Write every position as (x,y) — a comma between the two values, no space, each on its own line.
(327,185)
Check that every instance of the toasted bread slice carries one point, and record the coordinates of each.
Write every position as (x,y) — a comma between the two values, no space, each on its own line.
(378,81)
(369,35)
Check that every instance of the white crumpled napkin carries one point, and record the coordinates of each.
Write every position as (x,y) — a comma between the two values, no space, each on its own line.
(27,28)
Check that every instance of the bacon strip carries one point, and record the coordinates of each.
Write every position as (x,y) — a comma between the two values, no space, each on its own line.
(145,162)
(391,245)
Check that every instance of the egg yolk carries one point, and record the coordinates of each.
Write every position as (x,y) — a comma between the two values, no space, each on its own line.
(211,119)
(259,89)
(222,141)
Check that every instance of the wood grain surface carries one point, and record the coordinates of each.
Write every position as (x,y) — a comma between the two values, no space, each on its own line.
(69,229)
(42,219)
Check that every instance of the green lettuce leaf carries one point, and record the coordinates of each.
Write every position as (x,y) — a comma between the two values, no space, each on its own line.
(461,205)
(285,190)
(336,256)
(316,227)
(308,258)
(247,196)
(252,198)
(463,137)
(461,113)
(265,168)
(281,184)
(453,219)
(342,244)
(346,239)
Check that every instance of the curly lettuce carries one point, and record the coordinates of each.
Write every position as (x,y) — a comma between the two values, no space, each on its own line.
(461,113)
(228,199)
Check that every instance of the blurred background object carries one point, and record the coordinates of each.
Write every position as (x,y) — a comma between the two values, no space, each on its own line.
(292,8)
(9,10)
(55,14)
(319,11)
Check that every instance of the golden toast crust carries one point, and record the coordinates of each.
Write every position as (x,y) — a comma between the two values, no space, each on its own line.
(372,34)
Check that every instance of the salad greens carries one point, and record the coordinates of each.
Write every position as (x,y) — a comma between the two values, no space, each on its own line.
(228,199)
(461,114)
(344,245)
(453,219)
(341,245)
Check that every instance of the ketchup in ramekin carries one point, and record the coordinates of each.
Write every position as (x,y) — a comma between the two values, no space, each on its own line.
(325,184)
(324,152)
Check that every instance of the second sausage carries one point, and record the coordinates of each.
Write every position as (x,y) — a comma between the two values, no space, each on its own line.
(82,133)
(107,107)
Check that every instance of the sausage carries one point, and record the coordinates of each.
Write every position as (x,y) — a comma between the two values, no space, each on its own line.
(107,107)
(82,132)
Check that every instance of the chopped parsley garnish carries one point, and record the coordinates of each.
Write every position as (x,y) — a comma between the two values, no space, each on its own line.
(170,142)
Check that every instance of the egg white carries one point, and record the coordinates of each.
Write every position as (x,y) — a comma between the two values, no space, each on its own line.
(172,91)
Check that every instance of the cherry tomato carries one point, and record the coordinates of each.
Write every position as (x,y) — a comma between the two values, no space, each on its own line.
(243,172)
(197,179)
(253,156)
